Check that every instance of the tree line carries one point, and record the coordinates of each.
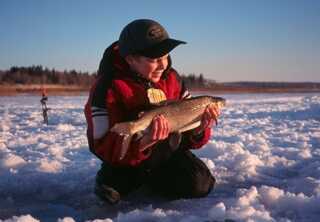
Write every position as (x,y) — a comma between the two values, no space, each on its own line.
(40,75)
(198,81)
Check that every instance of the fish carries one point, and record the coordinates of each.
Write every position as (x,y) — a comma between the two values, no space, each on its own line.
(182,115)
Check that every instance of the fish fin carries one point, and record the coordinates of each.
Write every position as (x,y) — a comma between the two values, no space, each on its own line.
(175,140)
(123,128)
(138,135)
(190,126)
(140,114)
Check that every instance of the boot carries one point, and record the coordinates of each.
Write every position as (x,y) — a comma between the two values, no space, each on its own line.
(107,193)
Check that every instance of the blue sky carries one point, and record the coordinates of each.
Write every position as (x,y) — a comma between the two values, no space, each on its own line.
(255,40)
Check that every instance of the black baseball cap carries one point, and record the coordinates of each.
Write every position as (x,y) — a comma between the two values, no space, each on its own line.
(147,38)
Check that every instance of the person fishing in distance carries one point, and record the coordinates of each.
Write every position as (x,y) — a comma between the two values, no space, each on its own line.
(43,102)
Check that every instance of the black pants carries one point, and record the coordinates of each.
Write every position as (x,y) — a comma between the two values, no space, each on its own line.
(173,174)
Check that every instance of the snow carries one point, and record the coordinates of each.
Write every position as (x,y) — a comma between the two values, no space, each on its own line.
(265,155)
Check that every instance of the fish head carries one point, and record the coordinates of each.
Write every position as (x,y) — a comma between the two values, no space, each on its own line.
(218,101)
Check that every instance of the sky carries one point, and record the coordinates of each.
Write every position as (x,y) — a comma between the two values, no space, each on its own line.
(243,40)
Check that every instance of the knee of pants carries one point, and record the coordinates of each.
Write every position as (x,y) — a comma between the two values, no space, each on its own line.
(201,185)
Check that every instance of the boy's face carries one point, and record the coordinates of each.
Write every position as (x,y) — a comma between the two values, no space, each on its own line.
(151,69)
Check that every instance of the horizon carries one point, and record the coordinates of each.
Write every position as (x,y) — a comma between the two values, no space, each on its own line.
(229,41)
(186,75)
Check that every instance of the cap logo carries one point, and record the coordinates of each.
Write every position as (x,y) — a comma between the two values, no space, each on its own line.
(155,33)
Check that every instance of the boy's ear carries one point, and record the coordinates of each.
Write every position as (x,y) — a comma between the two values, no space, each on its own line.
(129,59)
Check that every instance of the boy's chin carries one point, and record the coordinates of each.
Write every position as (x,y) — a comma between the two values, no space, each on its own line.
(155,79)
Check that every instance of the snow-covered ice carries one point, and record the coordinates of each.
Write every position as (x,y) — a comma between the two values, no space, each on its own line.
(265,155)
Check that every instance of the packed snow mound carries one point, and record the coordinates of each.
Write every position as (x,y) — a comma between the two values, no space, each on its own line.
(264,154)
(24,218)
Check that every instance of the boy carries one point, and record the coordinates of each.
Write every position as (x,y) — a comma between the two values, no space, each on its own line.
(134,75)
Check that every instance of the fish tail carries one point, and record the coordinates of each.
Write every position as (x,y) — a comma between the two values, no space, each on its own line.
(125,145)
(126,130)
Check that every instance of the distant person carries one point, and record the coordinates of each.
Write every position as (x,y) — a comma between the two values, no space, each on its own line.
(134,75)
(43,102)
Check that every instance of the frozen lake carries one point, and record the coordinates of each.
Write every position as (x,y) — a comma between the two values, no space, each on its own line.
(265,155)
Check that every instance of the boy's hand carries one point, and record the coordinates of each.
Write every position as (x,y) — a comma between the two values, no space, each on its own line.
(209,117)
(159,130)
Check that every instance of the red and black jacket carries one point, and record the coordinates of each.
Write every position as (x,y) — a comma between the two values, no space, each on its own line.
(119,95)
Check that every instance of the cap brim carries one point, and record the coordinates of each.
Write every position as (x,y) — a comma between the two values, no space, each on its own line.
(161,48)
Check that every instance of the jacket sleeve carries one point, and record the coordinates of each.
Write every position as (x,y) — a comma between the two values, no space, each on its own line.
(107,147)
